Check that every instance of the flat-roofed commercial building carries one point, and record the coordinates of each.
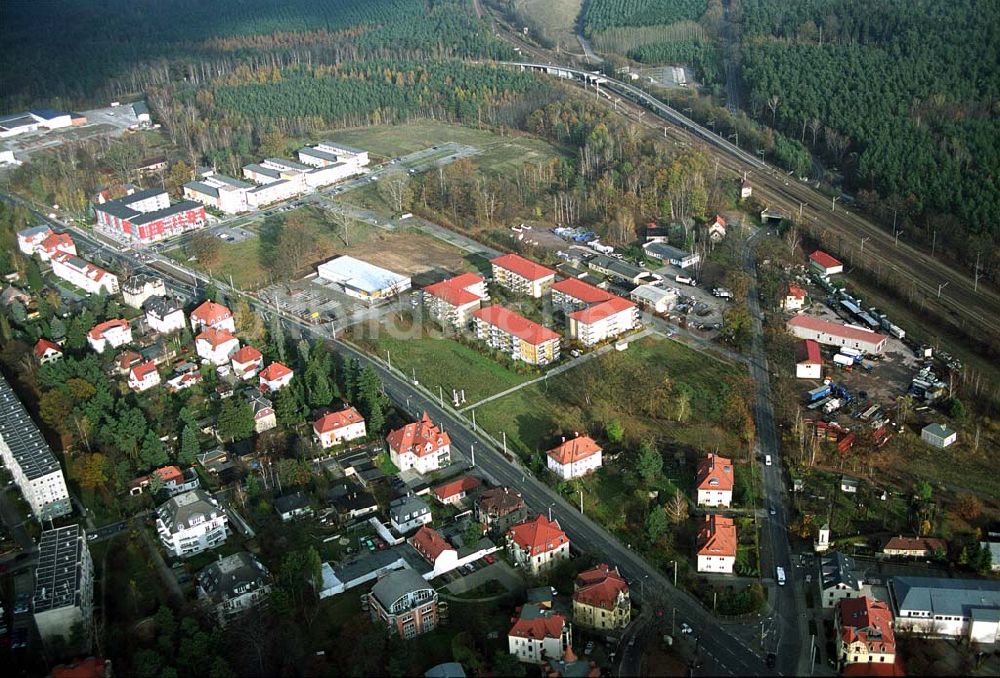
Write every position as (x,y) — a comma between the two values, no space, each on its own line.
(362,280)
(221,192)
(64,586)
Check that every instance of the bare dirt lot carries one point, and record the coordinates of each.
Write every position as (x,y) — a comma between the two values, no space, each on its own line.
(411,253)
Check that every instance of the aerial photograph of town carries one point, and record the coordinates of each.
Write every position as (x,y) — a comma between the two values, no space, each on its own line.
(489,338)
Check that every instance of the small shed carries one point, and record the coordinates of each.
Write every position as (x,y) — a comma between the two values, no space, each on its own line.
(938,435)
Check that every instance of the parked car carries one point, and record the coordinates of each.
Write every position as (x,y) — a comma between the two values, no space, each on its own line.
(489,559)
(22,603)
(590,648)
(686,629)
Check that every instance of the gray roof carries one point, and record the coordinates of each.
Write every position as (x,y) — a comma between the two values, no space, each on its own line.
(60,568)
(17,120)
(836,569)
(322,155)
(291,502)
(407,506)
(290,164)
(665,251)
(180,512)
(141,195)
(367,562)
(139,108)
(203,188)
(939,430)
(229,181)
(616,266)
(446,670)
(12,294)
(395,585)
(233,576)
(267,187)
(32,231)
(945,596)
(258,402)
(161,306)
(19,433)
(117,209)
(260,169)
(137,283)
(182,206)
(343,147)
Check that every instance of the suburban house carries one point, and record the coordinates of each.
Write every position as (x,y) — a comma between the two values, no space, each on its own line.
(408,513)
(603,321)
(864,632)
(715,480)
(574,457)
(537,544)
(573,294)
(350,503)
(716,229)
(47,351)
(405,603)
(825,264)
(137,289)
(113,333)
(264,416)
(247,362)
(83,274)
(809,364)
(184,381)
(521,275)
(539,634)
(420,446)
(670,254)
(174,481)
(839,578)
(143,376)
(500,508)
(211,314)
(233,585)
(601,599)
(938,435)
(794,299)
(164,315)
(275,376)
(190,523)
(836,334)
(445,556)
(961,608)
(516,336)
(126,360)
(452,301)
(716,544)
(453,492)
(216,346)
(334,428)
(292,506)
(849,485)
(913,547)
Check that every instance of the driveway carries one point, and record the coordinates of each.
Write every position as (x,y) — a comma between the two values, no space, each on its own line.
(499,572)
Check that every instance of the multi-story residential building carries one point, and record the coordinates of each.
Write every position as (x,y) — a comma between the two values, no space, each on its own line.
(603,321)
(31,463)
(500,508)
(864,632)
(453,492)
(408,513)
(330,154)
(405,603)
(601,599)
(55,243)
(141,287)
(247,362)
(572,294)
(575,457)
(143,376)
(64,587)
(537,544)
(190,523)
(334,428)
(164,314)
(515,335)
(539,634)
(716,544)
(420,446)
(714,481)
(521,275)
(147,216)
(216,346)
(30,238)
(224,193)
(839,578)
(113,333)
(211,314)
(452,301)
(935,606)
(84,274)
(275,376)
(47,351)
(233,585)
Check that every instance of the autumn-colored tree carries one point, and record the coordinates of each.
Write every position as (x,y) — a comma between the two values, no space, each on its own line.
(91,471)
(968,507)
(249,325)
(179,174)
(205,247)
(56,410)
(677,508)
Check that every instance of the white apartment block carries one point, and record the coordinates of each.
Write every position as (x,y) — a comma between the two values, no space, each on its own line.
(30,238)
(226,194)
(603,321)
(84,274)
(190,523)
(113,333)
(64,586)
(164,315)
(329,153)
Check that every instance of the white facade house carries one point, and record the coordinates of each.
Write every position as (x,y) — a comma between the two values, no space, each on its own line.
(335,428)
(794,299)
(224,193)
(211,314)
(216,346)
(164,315)
(247,362)
(656,298)
(31,463)
(444,557)
(538,544)
(190,523)
(113,333)
(420,446)
(143,377)
(840,578)
(575,457)
(329,153)
(275,377)
(539,635)
(836,334)
(84,274)
(408,513)
(717,544)
(139,288)
(30,238)
(715,480)
(810,360)
(64,587)
(938,435)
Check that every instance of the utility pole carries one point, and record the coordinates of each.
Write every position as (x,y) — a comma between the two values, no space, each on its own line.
(581,502)
(863,245)
(472,451)
(388,358)
(440,396)
(474,427)
(801,205)
(675,574)
(896,237)
(833,203)
(504,434)
(975,287)
(934,243)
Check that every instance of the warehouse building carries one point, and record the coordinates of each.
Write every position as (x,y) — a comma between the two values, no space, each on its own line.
(673,255)
(655,298)
(147,216)
(362,280)
(961,608)
(835,334)
(64,586)
(938,435)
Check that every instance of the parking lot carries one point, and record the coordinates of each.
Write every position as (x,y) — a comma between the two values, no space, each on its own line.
(232,233)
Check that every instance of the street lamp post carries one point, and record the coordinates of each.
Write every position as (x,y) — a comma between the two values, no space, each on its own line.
(863,244)
(833,203)
(941,287)
(896,237)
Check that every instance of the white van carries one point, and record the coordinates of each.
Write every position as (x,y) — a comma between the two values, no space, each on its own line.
(781,576)
(767,460)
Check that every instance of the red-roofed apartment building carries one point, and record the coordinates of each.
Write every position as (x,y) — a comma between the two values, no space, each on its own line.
(521,275)
(247,362)
(452,301)
(717,544)
(455,491)
(825,264)
(211,314)
(420,446)
(515,335)
(575,457)
(864,631)
(47,351)
(835,334)
(603,321)
(84,274)
(715,481)
(573,294)
(809,363)
(537,544)
(54,244)
(601,599)
(539,634)
(113,333)
(216,346)
(275,377)
(143,377)
(795,298)
(334,428)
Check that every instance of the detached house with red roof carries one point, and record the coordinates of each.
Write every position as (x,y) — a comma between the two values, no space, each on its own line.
(717,544)
(539,634)
(47,351)
(601,599)
(420,446)
(715,481)
(809,363)
(864,632)
(454,491)
(334,428)
(247,362)
(442,554)
(537,544)
(575,457)
(521,275)
(825,264)
(216,346)
(211,314)
(452,301)
(603,321)
(275,377)
(794,299)
(113,333)
(515,335)
(716,229)
(30,238)
(143,376)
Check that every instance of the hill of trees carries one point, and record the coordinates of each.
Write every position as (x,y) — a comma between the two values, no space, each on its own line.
(602,14)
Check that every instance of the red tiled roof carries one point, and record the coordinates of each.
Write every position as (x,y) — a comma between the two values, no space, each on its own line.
(210,313)
(522,267)
(275,371)
(421,438)
(126,359)
(602,311)
(836,329)
(92,667)
(585,292)
(56,241)
(515,324)
(453,290)
(332,421)
(923,544)
(718,220)
(44,345)
(717,536)
(98,330)
(867,621)
(718,469)
(808,351)
(215,337)
(429,543)
(457,486)
(247,354)
(538,535)
(574,450)
(539,628)
(599,587)
(824,259)
(140,372)
(169,473)
(796,291)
